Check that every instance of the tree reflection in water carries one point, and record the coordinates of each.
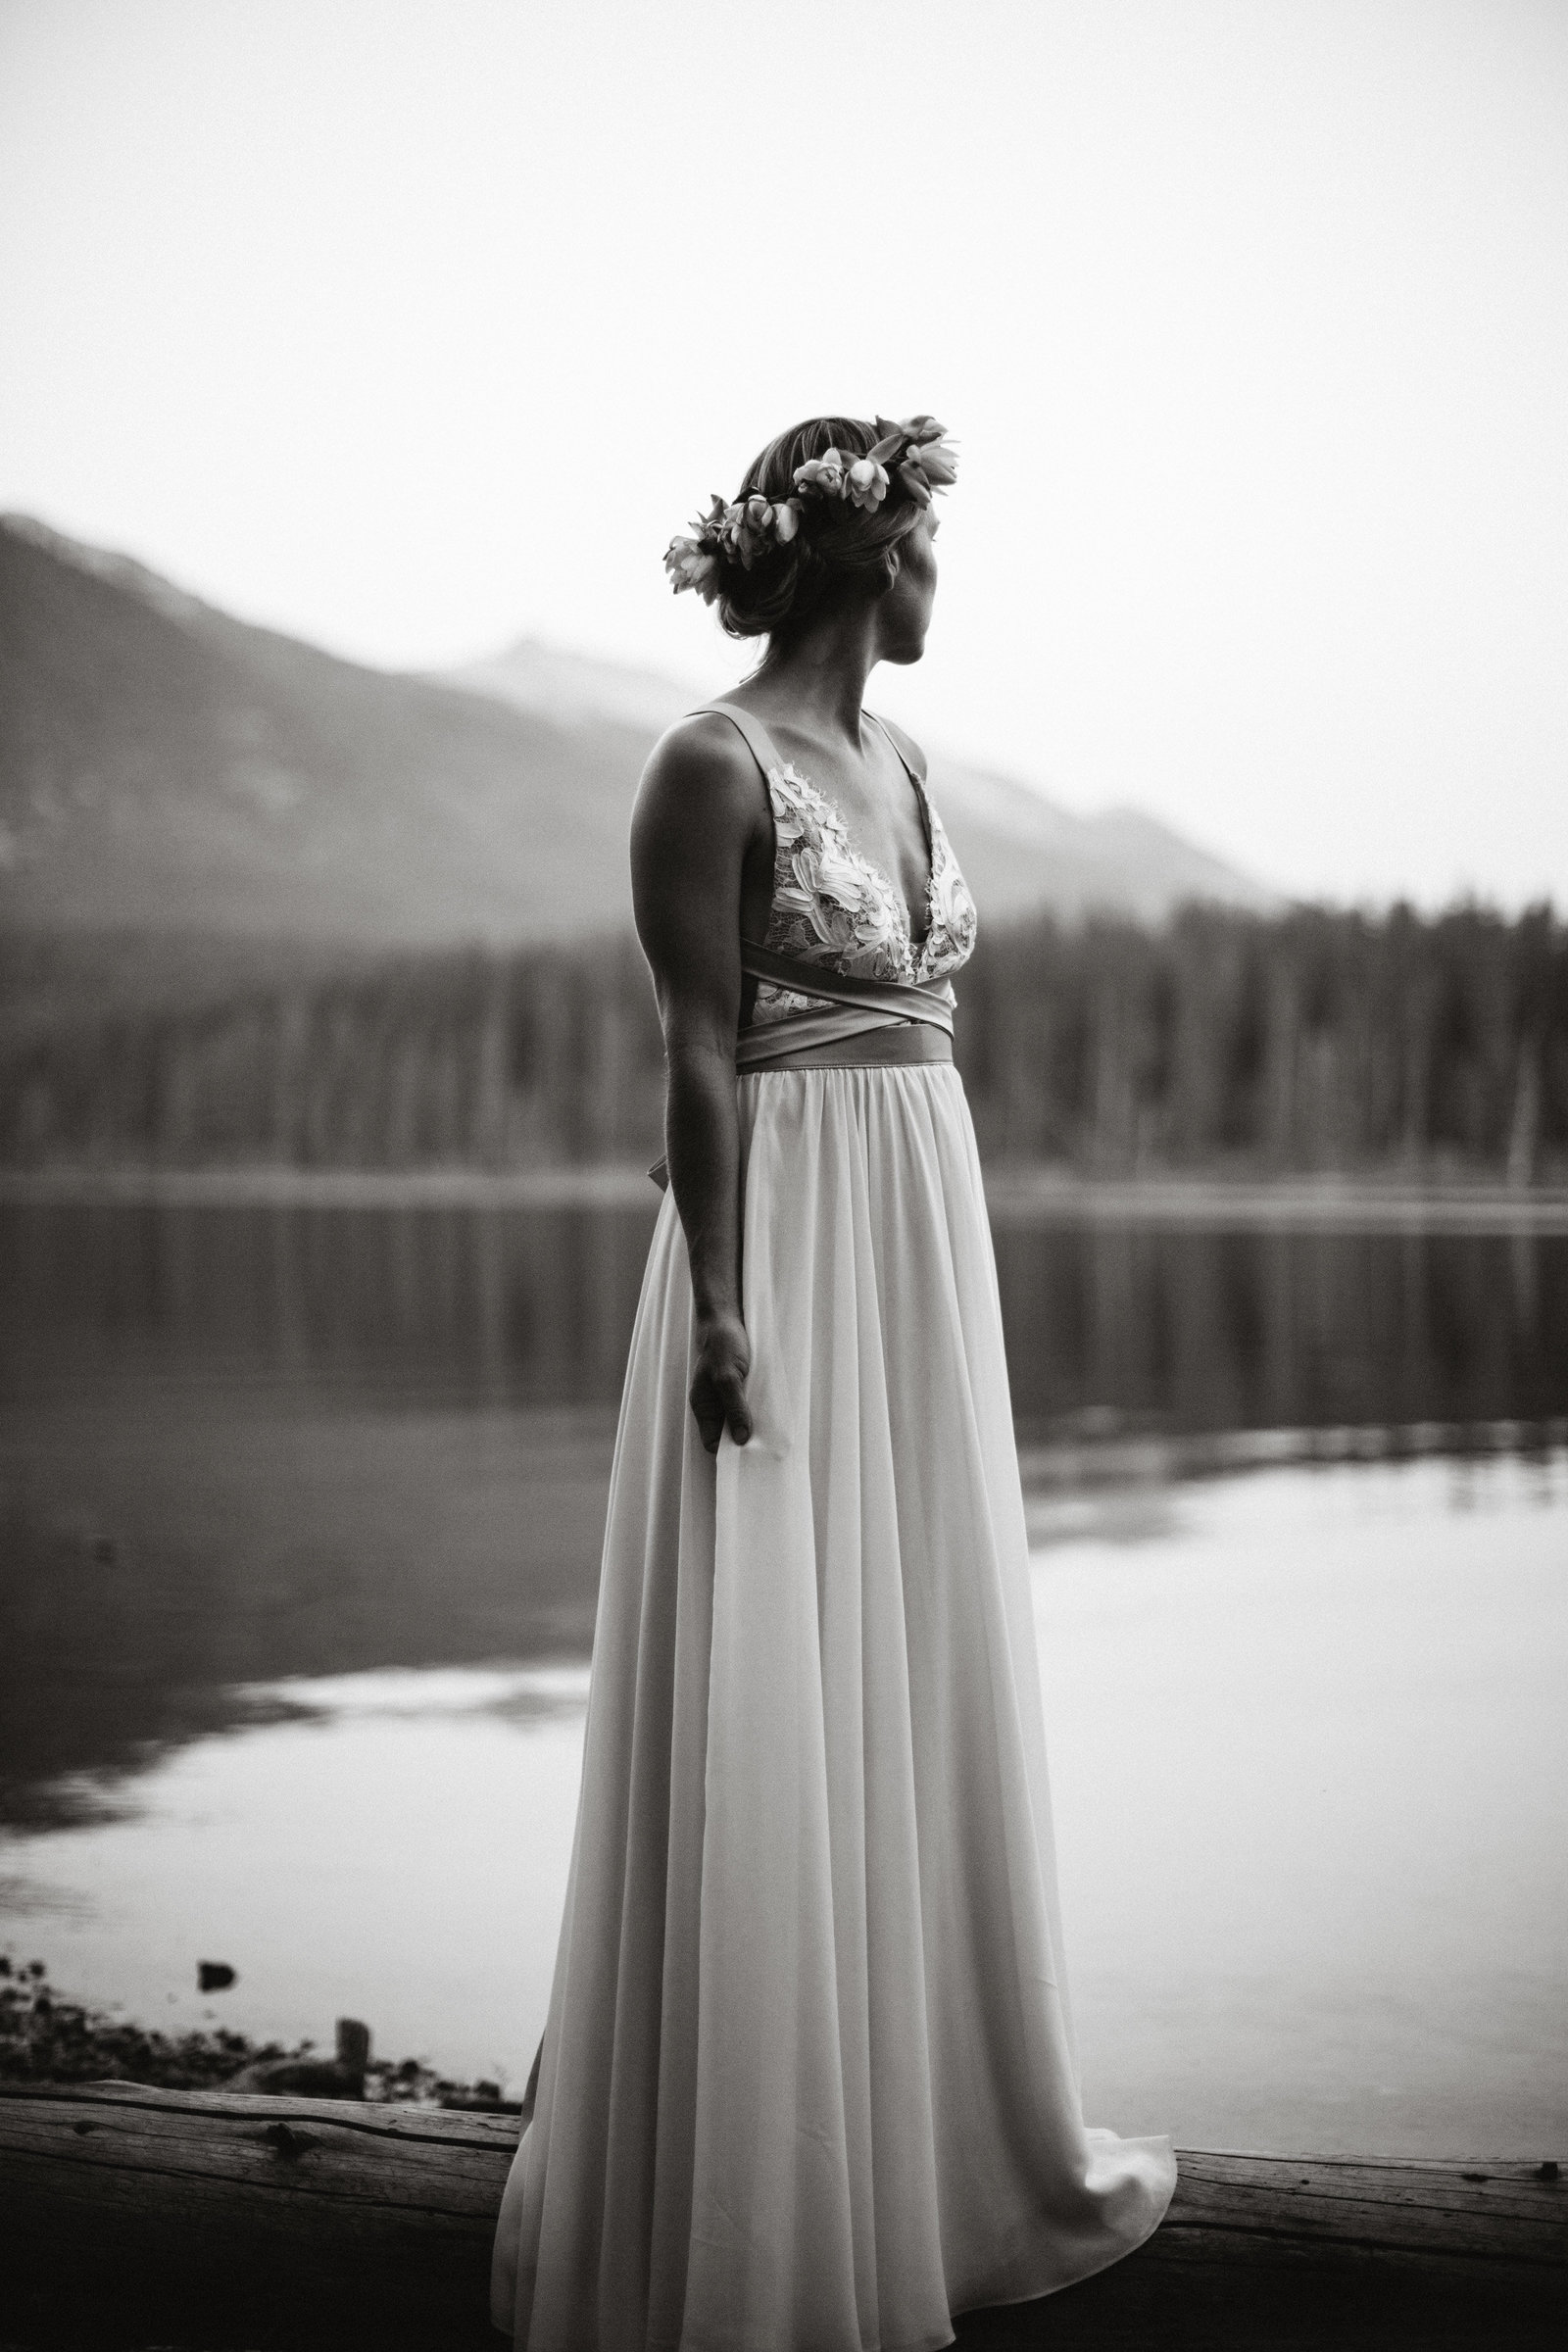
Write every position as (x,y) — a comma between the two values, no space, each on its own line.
(245,1446)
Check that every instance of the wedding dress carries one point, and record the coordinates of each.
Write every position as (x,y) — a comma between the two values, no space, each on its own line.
(808,2081)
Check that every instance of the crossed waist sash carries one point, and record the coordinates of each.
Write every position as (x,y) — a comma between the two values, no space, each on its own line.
(870,1023)
(869,1020)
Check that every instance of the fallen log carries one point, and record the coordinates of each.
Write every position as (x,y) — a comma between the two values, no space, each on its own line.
(213,2219)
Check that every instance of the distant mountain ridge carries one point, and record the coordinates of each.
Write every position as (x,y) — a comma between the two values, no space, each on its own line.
(165,768)
(1019,850)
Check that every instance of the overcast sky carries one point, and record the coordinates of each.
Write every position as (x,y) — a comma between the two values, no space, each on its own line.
(415,324)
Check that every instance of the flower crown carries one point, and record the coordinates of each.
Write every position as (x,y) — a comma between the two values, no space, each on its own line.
(915,452)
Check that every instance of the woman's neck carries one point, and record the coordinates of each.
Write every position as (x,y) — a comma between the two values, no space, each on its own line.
(819,677)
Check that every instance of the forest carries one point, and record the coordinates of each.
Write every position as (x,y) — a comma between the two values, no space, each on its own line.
(1313,1040)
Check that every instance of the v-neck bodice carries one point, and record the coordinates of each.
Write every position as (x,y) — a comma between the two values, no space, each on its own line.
(833,906)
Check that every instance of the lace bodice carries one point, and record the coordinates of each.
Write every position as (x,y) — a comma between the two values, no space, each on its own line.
(832,907)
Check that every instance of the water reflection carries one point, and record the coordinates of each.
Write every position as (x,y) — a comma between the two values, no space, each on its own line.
(239,1447)
(1189,1329)
(532,1306)
(1310,1759)
(1157,1326)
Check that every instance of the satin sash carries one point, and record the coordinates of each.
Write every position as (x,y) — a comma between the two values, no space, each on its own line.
(858,1005)
(909,1024)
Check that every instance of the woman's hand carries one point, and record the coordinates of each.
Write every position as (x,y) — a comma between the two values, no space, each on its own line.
(719,1389)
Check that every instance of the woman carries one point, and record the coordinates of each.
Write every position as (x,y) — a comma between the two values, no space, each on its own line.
(807,2081)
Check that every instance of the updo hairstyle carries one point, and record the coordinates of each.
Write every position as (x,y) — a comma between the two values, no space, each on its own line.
(845,554)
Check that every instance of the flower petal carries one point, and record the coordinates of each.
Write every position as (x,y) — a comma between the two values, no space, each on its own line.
(938,462)
(867,484)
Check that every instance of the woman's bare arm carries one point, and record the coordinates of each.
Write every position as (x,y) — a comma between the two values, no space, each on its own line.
(697,814)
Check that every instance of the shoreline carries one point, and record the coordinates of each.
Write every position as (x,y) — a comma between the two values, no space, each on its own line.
(1013,1195)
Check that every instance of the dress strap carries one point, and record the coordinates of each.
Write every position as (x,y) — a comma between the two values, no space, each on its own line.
(759,741)
(914,768)
(764,751)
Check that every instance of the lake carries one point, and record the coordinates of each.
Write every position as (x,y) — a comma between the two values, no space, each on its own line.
(301,1512)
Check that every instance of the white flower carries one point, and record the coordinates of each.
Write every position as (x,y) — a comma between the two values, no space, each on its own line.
(938,461)
(824,474)
(866,483)
(691,565)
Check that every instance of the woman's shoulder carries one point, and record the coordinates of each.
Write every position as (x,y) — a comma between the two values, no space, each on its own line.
(703,748)
(699,772)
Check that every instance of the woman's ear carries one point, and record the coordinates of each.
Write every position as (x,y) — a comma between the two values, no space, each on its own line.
(892,565)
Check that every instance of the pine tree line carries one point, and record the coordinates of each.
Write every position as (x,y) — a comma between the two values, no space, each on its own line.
(1311,1040)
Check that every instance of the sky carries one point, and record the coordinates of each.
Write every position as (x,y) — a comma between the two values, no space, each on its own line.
(416,325)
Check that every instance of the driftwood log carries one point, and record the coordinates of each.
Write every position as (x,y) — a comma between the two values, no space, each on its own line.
(213,2220)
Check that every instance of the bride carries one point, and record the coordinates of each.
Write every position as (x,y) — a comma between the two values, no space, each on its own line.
(807,2081)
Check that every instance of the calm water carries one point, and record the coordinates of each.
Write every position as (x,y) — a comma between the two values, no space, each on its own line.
(301,1513)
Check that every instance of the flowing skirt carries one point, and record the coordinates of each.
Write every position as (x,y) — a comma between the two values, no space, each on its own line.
(808,2081)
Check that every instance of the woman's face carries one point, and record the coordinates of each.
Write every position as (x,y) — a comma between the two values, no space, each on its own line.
(903,614)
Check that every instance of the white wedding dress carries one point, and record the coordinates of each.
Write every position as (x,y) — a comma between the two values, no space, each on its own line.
(808,2080)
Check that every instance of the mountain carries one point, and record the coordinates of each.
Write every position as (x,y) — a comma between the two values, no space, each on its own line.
(167,768)
(1018,850)
(570,687)
(164,766)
